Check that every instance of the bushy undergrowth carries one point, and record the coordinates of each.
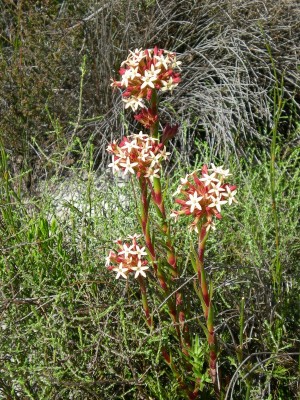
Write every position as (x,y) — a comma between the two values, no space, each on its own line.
(70,330)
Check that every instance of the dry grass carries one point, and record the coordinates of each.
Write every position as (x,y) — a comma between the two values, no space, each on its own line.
(233,54)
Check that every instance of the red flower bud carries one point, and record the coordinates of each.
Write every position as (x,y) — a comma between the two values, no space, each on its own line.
(169,132)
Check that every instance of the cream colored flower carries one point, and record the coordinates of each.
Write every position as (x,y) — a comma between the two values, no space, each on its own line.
(194,201)
(140,269)
(121,271)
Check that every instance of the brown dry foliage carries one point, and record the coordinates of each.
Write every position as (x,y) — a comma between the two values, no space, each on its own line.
(228,72)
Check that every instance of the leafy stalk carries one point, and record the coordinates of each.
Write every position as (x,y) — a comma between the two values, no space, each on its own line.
(207,306)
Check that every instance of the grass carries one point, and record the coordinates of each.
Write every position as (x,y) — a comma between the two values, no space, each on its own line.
(70,330)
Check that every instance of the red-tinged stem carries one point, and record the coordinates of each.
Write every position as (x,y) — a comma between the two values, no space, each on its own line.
(158,200)
(154,108)
(145,301)
(171,259)
(146,232)
(201,271)
(158,273)
(183,336)
(157,197)
(207,308)
(144,220)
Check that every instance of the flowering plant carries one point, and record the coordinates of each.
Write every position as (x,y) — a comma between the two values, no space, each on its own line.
(129,258)
(201,195)
(144,72)
(140,155)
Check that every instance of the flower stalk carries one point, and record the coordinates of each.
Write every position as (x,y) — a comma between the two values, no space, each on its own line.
(145,221)
(201,271)
(202,195)
(157,197)
(157,269)
(143,289)
(207,306)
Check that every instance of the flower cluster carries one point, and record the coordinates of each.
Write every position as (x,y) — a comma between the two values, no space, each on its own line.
(145,70)
(203,196)
(129,258)
(139,154)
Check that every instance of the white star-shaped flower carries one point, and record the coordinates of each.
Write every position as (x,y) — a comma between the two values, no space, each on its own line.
(152,173)
(134,236)
(126,250)
(176,64)
(220,170)
(177,191)
(114,165)
(150,77)
(140,270)
(216,189)
(140,251)
(130,145)
(155,159)
(133,102)
(184,180)
(168,85)
(164,154)
(161,60)
(110,146)
(125,77)
(108,258)
(128,165)
(142,136)
(121,271)
(230,195)
(208,179)
(216,202)
(134,57)
(144,155)
(133,73)
(194,201)
(210,225)
(174,215)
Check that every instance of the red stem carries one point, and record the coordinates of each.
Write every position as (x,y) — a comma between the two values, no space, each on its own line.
(157,197)
(207,308)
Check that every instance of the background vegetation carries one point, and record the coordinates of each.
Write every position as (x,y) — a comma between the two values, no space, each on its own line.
(68,329)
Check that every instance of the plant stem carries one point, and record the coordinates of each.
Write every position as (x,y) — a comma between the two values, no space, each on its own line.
(154,107)
(157,197)
(145,221)
(207,308)
(157,269)
(145,301)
